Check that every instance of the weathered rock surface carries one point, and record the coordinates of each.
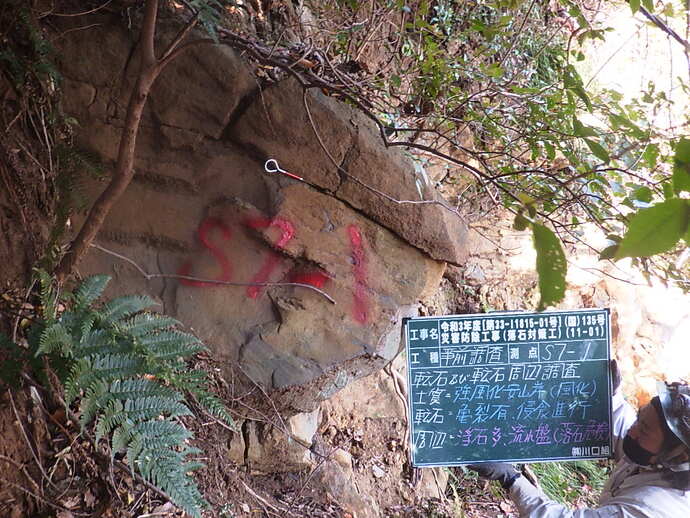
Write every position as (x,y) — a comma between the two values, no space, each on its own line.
(341,151)
(202,208)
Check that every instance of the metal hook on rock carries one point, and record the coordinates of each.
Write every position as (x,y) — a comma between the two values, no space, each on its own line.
(271,166)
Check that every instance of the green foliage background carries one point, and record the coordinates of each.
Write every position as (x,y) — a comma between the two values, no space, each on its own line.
(503,74)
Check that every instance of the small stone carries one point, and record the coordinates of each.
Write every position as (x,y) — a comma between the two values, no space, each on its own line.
(378,471)
(343,458)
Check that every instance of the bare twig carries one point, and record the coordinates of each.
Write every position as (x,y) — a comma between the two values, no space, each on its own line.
(42,499)
(363,184)
(262,500)
(149,70)
(22,468)
(149,276)
(313,471)
(668,30)
(83,13)
(28,441)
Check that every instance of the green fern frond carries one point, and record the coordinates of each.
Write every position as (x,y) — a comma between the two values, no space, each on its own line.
(49,297)
(172,351)
(165,468)
(86,326)
(105,368)
(150,407)
(101,393)
(163,429)
(190,380)
(122,307)
(146,323)
(55,338)
(90,290)
(155,435)
(101,342)
(73,388)
(95,397)
(170,344)
(117,366)
(122,437)
(111,418)
(138,388)
(214,406)
(127,368)
(134,447)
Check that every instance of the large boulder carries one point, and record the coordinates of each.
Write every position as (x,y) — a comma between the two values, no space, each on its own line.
(314,276)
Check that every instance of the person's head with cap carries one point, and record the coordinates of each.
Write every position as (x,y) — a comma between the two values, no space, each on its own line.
(661,435)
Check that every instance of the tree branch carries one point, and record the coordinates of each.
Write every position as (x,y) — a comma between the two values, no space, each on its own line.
(149,69)
(661,25)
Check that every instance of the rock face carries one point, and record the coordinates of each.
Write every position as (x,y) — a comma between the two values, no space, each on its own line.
(349,263)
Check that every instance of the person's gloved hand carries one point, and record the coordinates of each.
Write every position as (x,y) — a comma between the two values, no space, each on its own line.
(615,375)
(505,473)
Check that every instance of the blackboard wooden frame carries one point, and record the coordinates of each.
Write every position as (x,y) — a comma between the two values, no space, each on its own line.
(463,364)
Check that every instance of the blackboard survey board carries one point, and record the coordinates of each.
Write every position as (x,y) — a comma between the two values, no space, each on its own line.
(509,387)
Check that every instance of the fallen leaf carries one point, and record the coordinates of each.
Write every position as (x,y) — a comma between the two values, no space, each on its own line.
(71,502)
(167,507)
(89,498)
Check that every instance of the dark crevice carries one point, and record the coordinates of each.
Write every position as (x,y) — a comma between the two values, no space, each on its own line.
(242,106)
(158,242)
(165,183)
(344,168)
(245,436)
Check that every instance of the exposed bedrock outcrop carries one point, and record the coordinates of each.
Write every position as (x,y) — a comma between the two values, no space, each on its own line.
(201,205)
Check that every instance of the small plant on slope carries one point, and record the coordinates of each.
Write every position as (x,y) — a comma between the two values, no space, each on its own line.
(127,370)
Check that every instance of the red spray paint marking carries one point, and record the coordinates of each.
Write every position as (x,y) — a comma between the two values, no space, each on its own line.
(225,266)
(288,231)
(360,272)
(316,279)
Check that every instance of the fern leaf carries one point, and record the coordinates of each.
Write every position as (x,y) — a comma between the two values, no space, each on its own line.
(114,366)
(86,326)
(122,437)
(90,290)
(100,342)
(93,400)
(49,295)
(112,417)
(190,380)
(128,368)
(141,409)
(137,388)
(193,381)
(107,368)
(214,406)
(168,429)
(147,323)
(171,344)
(155,435)
(73,386)
(135,449)
(101,393)
(122,307)
(172,351)
(55,338)
(166,470)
